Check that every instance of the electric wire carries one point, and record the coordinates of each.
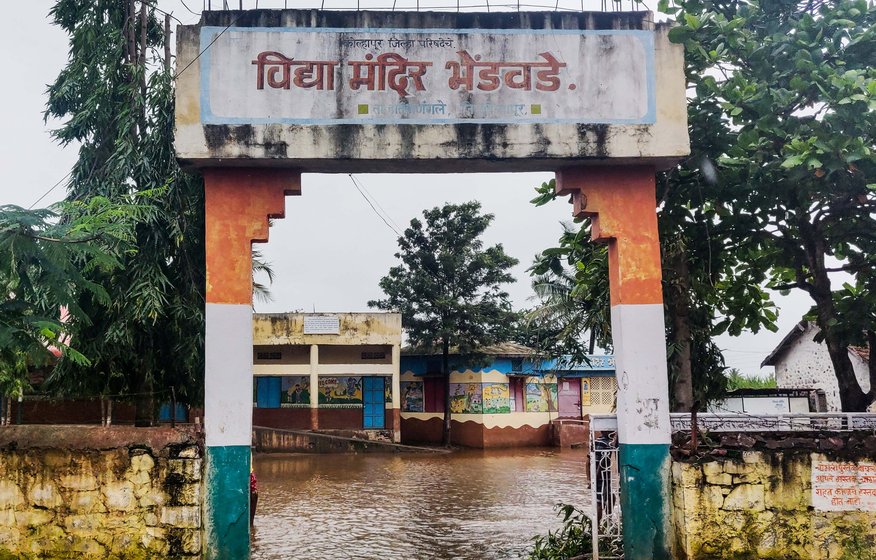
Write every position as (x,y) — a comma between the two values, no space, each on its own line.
(187,8)
(377,202)
(379,215)
(205,49)
(53,187)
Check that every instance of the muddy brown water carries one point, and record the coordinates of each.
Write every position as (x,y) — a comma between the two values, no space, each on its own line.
(467,505)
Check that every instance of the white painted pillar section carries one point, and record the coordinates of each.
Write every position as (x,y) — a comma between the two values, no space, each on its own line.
(396,373)
(314,376)
(638,334)
(229,378)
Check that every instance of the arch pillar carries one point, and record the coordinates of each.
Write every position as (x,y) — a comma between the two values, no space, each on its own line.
(238,204)
(621,201)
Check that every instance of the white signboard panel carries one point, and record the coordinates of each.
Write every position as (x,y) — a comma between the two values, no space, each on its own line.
(838,486)
(308,76)
(322,324)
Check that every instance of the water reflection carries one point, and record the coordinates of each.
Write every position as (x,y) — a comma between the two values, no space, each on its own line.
(464,505)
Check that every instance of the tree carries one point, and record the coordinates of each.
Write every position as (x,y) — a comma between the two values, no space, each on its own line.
(44,265)
(691,292)
(448,287)
(116,96)
(794,86)
(116,99)
(571,284)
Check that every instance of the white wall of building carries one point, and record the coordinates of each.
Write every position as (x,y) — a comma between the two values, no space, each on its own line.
(806,365)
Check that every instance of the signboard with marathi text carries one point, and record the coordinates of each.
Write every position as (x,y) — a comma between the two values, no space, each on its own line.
(322,324)
(843,486)
(329,91)
(426,76)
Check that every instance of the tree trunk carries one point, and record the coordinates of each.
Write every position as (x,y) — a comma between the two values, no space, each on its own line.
(678,296)
(445,370)
(852,397)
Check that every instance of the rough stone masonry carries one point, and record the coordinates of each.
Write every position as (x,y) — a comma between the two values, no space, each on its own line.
(94,492)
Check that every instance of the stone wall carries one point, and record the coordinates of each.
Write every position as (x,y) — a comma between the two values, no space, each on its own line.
(759,504)
(93,492)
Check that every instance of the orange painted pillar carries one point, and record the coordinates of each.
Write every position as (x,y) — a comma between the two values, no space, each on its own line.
(238,204)
(621,202)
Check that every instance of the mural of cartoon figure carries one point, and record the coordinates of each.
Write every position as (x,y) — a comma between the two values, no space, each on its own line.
(295,390)
(497,398)
(412,396)
(340,390)
(466,398)
(541,397)
(457,398)
(352,384)
(473,398)
(296,396)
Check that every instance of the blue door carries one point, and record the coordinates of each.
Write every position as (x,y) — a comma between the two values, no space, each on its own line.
(268,392)
(373,403)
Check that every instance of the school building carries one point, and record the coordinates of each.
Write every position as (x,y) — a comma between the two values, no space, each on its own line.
(334,372)
(365,386)
(509,402)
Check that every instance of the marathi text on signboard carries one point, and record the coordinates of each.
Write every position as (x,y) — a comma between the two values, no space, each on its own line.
(322,324)
(838,486)
(362,76)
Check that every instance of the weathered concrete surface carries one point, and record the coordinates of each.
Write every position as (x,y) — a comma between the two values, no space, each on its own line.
(271,440)
(397,147)
(276,329)
(759,504)
(93,492)
(565,433)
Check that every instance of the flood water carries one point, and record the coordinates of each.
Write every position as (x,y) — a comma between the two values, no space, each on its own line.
(467,505)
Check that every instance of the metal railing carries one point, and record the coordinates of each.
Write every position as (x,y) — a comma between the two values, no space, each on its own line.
(604,509)
(779,422)
(429,5)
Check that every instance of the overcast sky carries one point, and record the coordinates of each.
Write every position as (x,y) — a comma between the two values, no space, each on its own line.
(331,249)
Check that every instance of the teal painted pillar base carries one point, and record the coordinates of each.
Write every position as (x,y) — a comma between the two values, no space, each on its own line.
(226,512)
(645,500)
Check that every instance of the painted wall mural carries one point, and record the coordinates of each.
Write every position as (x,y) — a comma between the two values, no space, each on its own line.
(412,396)
(497,398)
(541,397)
(466,398)
(295,390)
(340,391)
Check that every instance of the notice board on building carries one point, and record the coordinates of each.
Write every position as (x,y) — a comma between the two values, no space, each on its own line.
(322,324)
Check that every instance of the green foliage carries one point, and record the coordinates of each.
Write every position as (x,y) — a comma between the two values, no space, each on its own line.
(45,265)
(573,540)
(571,283)
(735,380)
(448,287)
(115,98)
(780,182)
(792,86)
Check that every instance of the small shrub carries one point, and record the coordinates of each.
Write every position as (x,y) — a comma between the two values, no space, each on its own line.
(571,540)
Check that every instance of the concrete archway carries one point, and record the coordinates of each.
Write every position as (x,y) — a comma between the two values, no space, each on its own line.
(597,98)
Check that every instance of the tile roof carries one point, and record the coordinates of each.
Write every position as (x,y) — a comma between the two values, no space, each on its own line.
(861,351)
